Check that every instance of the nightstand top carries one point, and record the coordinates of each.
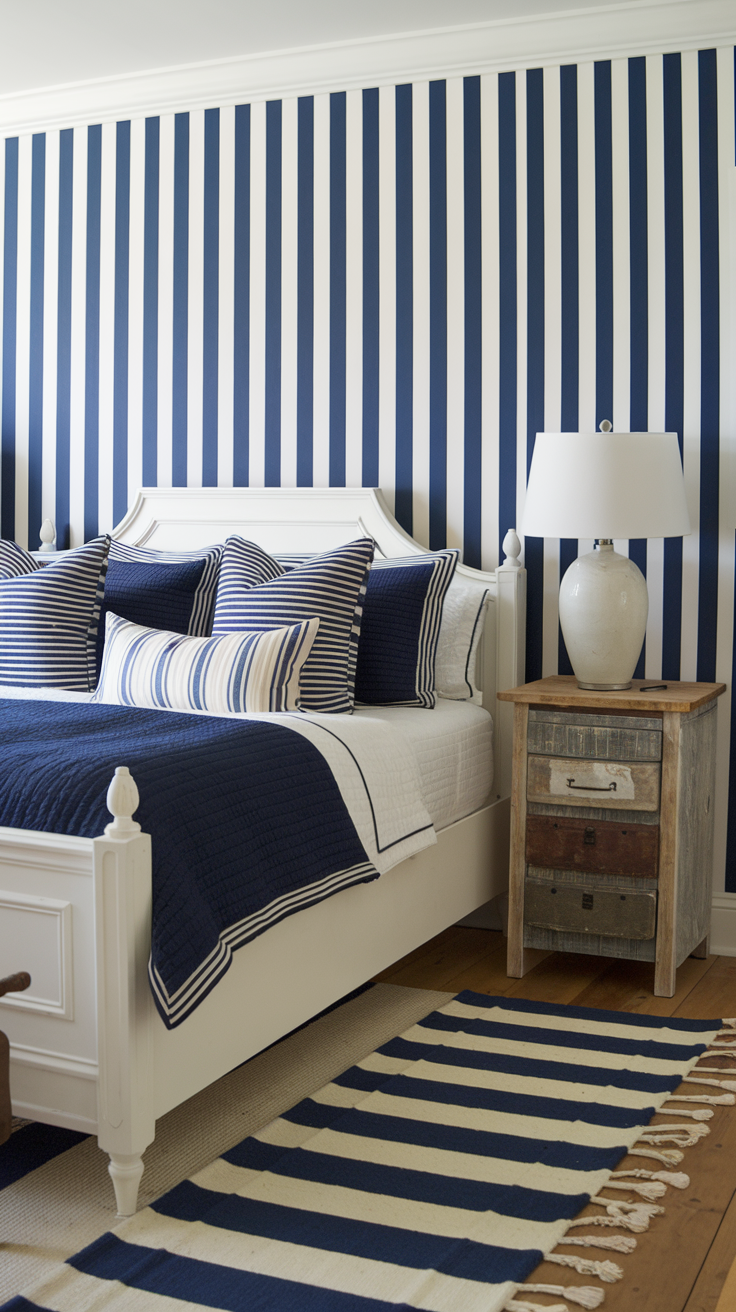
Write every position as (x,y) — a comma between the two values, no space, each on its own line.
(562,690)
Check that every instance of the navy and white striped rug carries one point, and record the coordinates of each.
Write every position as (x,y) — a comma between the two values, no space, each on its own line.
(435,1174)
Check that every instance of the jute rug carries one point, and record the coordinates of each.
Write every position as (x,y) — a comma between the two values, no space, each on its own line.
(434,1173)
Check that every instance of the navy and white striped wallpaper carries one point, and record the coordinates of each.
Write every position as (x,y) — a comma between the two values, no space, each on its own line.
(395,286)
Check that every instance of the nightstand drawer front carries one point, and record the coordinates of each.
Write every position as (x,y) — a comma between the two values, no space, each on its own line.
(600,847)
(599,737)
(614,785)
(576,910)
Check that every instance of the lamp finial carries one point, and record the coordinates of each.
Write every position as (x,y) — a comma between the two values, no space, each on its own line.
(606,426)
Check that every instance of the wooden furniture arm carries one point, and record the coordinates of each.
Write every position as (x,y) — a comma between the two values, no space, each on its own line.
(15,983)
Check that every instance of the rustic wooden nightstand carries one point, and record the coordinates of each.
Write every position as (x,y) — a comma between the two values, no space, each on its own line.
(612,822)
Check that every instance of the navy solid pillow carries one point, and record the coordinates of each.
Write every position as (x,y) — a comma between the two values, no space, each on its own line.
(152,595)
(401,624)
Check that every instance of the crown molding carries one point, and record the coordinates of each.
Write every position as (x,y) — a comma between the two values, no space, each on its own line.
(635,27)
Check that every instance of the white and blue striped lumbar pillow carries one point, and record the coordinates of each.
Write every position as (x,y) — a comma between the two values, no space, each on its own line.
(203,598)
(15,561)
(331,586)
(237,672)
(48,621)
(401,624)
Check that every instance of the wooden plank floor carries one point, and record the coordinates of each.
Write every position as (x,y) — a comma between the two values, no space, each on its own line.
(681,1263)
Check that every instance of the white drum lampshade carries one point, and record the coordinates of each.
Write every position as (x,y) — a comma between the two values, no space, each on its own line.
(605,485)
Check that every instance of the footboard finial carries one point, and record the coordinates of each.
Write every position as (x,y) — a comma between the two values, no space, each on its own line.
(123,800)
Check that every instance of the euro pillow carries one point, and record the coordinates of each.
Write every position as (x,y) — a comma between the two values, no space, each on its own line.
(460,634)
(16,561)
(237,672)
(49,619)
(330,586)
(401,625)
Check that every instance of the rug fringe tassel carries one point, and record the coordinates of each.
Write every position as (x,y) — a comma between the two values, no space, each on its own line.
(637,1224)
(697,1113)
(648,1191)
(608,1272)
(676,1178)
(669,1156)
(613,1243)
(714,1100)
(716,1084)
(617,1206)
(584,1295)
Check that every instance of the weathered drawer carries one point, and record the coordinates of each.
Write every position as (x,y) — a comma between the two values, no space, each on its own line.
(603,737)
(603,847)
(615,785)
(605,911)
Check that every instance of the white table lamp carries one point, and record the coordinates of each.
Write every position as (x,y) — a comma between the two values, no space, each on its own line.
(605,485)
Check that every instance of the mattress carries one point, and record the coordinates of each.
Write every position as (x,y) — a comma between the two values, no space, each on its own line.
(453,747)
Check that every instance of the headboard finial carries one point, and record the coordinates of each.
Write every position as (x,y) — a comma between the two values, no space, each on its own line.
(512,550)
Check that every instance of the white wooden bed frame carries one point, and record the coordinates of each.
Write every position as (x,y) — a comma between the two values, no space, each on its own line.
(88,1049)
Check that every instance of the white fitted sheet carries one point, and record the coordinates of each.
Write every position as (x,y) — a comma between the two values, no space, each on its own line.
(453,746)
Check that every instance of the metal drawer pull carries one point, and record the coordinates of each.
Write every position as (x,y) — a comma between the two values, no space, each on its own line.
(589,836)
(592,788)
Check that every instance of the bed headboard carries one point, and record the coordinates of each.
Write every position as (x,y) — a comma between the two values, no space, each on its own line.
(317,519)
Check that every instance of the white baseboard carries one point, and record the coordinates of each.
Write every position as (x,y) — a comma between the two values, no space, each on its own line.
(723,925)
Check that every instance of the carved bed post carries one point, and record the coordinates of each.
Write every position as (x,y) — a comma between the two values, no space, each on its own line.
(125,1009)
(510,648)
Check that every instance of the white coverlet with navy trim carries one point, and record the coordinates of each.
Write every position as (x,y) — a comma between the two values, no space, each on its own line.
(252,817)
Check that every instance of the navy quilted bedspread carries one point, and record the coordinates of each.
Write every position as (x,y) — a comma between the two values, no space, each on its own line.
(246,821)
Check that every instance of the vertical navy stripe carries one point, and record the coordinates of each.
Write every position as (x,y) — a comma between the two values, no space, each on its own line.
(603,245)
(120,370)
(180,331)
(92,333)
(638,282)
(404,307)
(150,303)
(337,287)
(674,346)
(507,304)
(472,505)
(371,284)
(534,348)
(35,379)
(241,300)
(211,296)
(10,301)
(64,336)
(710,377)
(272,466)
(305,294)
(438,316)
(569,295)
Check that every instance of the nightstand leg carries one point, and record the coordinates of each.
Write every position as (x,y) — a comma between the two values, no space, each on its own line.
(701,951)
(665,959)
(518,960)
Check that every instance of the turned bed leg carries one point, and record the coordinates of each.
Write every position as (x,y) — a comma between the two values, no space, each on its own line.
(125,1010)
(125,1172)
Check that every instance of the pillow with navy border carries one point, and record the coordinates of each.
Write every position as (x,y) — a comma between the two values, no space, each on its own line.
(401,624)
(330,586)
(171,590)
(49,620)
(16,561)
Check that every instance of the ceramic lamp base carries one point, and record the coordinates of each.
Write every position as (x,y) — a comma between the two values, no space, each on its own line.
(603,616)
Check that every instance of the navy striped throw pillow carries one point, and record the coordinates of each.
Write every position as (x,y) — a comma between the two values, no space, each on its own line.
(234,673)
(48,621)
(331,586)
(15,561)
(401,625)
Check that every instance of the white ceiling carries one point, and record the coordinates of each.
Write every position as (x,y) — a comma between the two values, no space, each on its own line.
(47,43)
